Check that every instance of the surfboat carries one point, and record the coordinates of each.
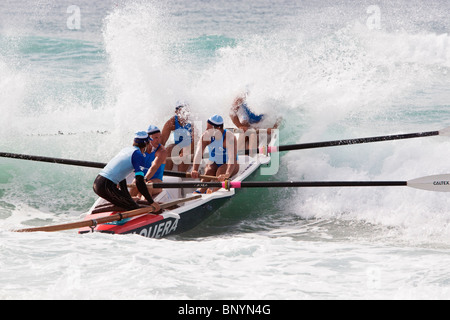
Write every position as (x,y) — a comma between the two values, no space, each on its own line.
(180,218)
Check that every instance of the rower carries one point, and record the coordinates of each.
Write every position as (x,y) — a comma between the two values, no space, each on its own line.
(183,133)
(249,122)
(155,160)
(222,146)
(114,174)
(241,115)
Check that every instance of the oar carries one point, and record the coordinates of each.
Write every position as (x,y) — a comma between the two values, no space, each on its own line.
(345,142)
(439,183)
(111,218)
(262,150)
(177,174)
(268,149)
(333,143)
(187,175)
(80,163)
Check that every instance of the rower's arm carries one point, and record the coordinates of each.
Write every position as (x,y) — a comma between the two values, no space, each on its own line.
(169,126)
(142,187)
(160,158)
(231,145)
(235,119)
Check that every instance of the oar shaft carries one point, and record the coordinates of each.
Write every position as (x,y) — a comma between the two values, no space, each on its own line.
(263,150)
(306,184)
(278,184)
(345,142)
(78,163)
(357,141)
(440,183)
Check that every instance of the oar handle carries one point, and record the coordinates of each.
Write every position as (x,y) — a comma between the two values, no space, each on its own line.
(152,185)
(187,175)
(203,176)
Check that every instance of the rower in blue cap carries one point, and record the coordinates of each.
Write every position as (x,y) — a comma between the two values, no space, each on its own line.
(155,156)
(222,146)
(111,183)
(155,160)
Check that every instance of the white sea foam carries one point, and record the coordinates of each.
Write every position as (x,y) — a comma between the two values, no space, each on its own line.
(241,267)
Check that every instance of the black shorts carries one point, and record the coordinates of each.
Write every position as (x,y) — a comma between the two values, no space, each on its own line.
(109,191)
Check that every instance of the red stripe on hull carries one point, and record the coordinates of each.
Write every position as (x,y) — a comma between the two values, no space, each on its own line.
(122,227)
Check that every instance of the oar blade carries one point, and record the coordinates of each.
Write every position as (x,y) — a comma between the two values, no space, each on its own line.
(439,183)
(445,132)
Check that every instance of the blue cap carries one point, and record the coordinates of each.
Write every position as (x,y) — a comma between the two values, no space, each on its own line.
(215,120)
(141,136)
(153,129)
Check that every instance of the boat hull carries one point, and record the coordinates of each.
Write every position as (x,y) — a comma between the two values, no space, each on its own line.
(187,221)
(179,219)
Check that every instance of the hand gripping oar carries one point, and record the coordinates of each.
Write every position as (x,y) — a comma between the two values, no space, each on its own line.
(439,183)
(333,143)
(115,217)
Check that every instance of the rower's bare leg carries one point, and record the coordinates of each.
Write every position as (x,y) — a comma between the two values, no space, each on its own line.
(155,191)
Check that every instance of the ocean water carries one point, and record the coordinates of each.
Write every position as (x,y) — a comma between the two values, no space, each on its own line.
(77,78)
